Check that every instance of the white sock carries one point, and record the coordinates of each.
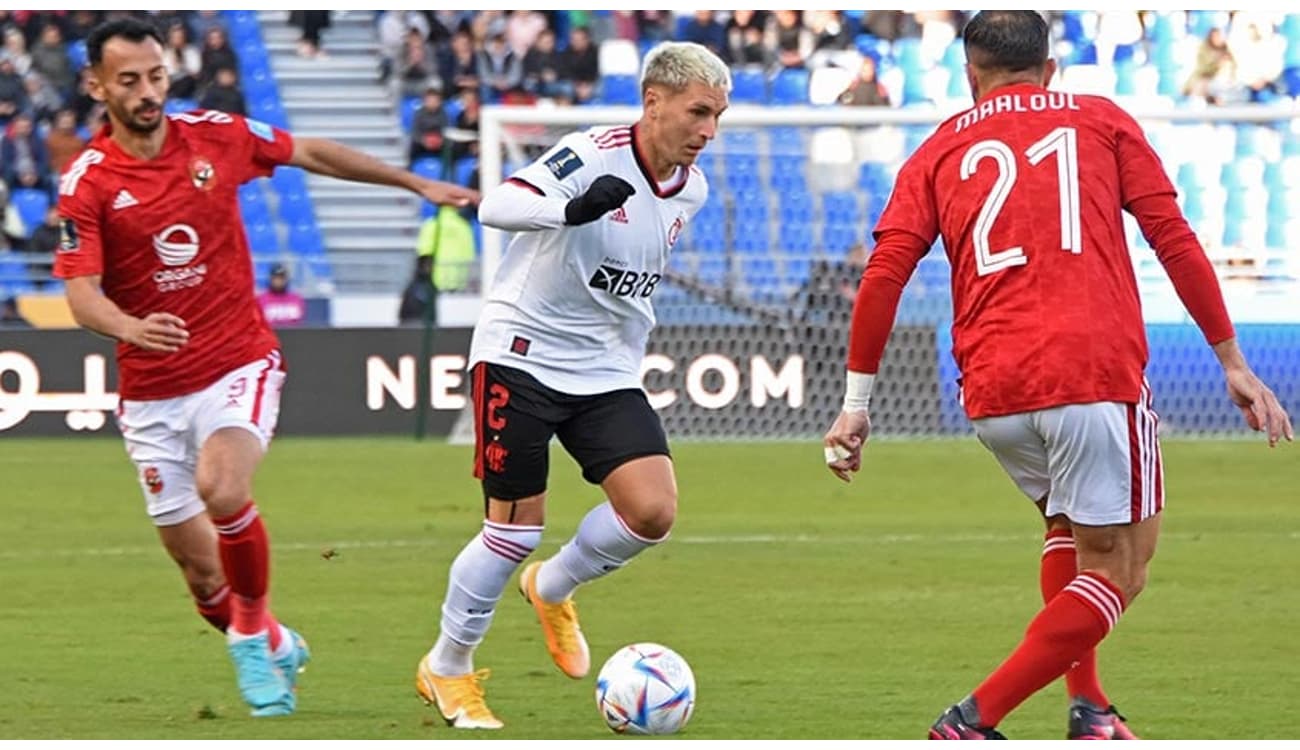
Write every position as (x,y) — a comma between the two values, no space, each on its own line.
(478,576)
(602,545)
(286,644)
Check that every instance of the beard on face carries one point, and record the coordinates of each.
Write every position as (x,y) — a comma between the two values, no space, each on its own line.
(133,122)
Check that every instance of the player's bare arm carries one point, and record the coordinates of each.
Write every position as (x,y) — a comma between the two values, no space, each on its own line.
(156,332)
(333,159)
(1258,404)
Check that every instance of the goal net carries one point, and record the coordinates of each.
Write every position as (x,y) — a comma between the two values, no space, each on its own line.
(753,312)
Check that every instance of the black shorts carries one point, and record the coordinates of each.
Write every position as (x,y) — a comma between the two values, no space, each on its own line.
(515,417)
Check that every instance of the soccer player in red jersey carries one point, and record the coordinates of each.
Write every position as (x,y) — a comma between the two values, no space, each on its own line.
(1026,190)
(155,256)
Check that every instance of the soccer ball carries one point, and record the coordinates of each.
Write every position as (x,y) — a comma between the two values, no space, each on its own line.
(645,688)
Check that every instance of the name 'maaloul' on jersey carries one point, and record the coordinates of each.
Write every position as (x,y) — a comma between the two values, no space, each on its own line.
(573,305)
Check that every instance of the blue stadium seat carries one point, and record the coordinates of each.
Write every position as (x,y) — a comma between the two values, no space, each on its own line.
(259,85)
(712,271)
(796,237)
(262,237)
(305,239)
(287,180)
(428,167)
(840,206)
(707,161)
(784,140)
(760,274)
(1072,26)
(1291,81)
(172,106)
(254,210)
(788,173)
(32,205)
(875,177)
(752,243)
(708,237)
(463,171)
(838,237)
(296,208)
(749,209)
(77,54)
(620,90)
(748,86)
(796,208)
(790,86)
(409,105)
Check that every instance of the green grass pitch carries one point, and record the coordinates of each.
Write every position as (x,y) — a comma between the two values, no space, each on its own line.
(807,608)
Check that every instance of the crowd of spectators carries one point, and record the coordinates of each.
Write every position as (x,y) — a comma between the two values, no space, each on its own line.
(46,112)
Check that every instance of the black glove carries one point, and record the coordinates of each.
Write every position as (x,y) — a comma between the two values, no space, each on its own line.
(605,194)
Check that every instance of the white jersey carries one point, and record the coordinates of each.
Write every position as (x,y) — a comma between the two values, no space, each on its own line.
(571,306)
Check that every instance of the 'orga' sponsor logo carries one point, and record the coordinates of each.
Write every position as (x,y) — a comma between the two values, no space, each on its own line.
(176,245)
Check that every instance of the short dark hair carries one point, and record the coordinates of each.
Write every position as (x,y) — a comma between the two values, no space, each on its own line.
(130,29)
(1011,40)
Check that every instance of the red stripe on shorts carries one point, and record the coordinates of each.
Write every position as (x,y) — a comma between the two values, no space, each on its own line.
(480,376)
(261,389)
(1135,465)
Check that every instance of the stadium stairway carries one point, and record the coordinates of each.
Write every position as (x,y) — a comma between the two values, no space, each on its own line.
(340,97)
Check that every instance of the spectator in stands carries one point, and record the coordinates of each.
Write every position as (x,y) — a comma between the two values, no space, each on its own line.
(828,29)
(500,70)
(63,141)
(704,29)
(654,26)
(204,21)
(13,95)
(419,67)
(448,238)
(832,287)
(224,94)
(419,292)
(1259,54)
(444,24)
(890,24)
(312,23)
(461,70)
(393,27)
(42,100)
(581,64)
(215,55)
(522,29)
(543,69)
(790,38)
(23,156)
(745,39)
(182,61)
(81,102)
(427,126)
(15,46)
(50,59)
(10,317)
(468,119)
(281,306)
(866,90)
(1215,71)
(45,240)
(82,21)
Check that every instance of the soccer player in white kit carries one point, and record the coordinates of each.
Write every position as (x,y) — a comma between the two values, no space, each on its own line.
(557,352)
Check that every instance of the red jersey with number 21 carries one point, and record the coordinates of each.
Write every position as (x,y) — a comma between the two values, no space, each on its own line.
(165,235)
(1026,189)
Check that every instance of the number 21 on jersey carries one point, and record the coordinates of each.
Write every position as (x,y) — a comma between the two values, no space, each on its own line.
(1063,142)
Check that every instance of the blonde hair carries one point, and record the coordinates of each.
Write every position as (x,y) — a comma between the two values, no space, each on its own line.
(679,64)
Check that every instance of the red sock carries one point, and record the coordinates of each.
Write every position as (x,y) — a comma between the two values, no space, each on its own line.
(1071,624)
(1060,566)
(216,608)
(245,557)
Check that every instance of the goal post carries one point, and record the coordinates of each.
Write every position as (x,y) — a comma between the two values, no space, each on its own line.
(753,311)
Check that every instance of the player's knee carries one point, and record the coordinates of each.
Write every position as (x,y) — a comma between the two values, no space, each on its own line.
(221,495)
(653,519)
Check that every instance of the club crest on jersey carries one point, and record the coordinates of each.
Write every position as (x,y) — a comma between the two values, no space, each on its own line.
(68,240)
(675,230)
(563,163)
(202,173)
(153,480)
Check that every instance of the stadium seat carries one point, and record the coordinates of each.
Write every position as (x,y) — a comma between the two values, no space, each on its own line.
(253,209)
(77,54)
(262,237)
(826,84)
(618,57)
(840,206)
(408,107)
(305,239)
(839,237)
(288,180)
(464,169)
(708,237)
(795,238)
(31,205)
(784,140)
(623,89)
(296,208)
(748,86)
(790,86)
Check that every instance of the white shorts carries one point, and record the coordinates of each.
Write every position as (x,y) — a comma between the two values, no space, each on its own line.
(163,437)
(1097,464)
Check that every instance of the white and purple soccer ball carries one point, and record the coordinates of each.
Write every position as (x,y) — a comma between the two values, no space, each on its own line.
(645,688)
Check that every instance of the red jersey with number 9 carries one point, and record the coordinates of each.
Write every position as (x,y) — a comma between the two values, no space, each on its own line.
(165,235)
(1026,190)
